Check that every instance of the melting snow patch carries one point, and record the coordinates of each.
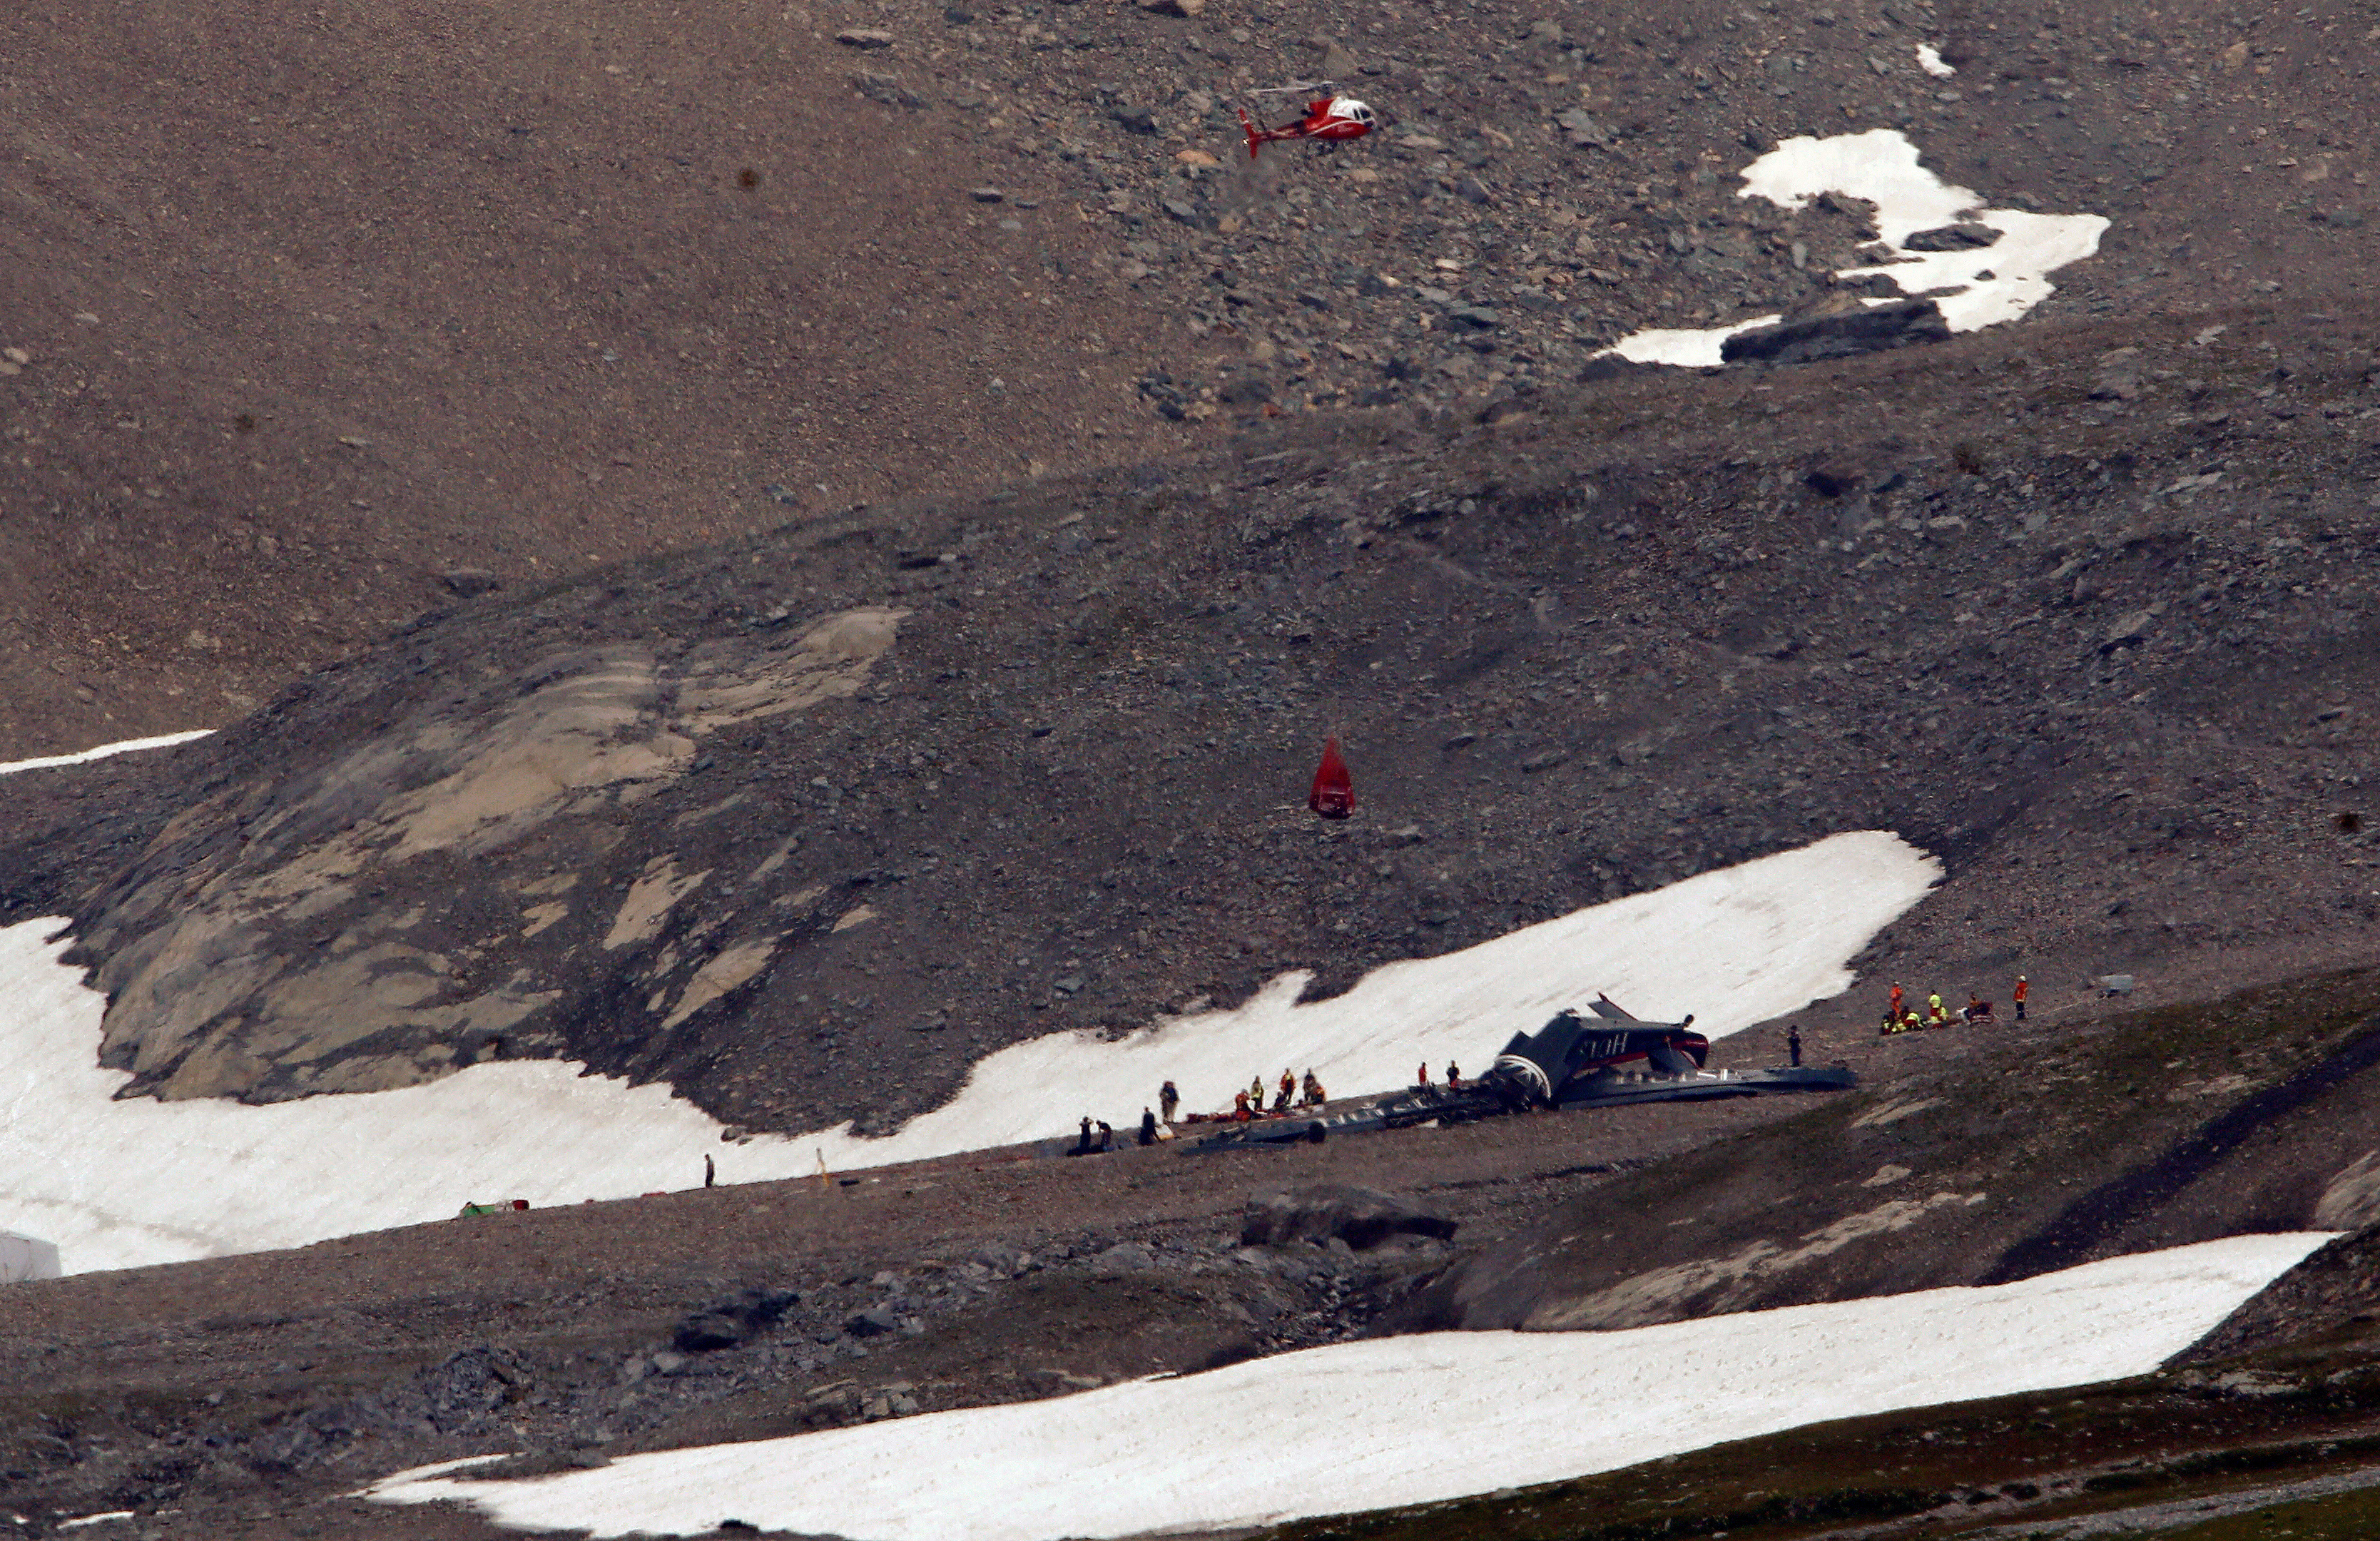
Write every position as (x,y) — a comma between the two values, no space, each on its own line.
(1930,59)
(1688,347)
(124,1184)
(1735,946)
(1400,1421)
(1881,165)
(1995,283)
(163,741)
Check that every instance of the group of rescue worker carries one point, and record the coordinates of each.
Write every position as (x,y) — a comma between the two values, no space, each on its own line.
(1292,1089)
(1248,1104)
(1897,1019)
(1157,1123)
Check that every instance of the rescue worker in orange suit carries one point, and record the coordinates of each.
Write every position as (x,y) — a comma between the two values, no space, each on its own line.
(1896,1002)
(1240,1105)
(1313,1090)
(2022,987)
(1288,1089)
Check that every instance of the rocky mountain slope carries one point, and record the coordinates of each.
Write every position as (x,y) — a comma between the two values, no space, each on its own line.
(2008,1159)
(782,548)
(382,296)
(806,824)
(251,1389)
(251,1395)
(386,296)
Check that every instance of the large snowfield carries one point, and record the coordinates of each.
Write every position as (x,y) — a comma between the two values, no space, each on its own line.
(121,1183)
(1997,283)
(1398,1420)
(117,1183)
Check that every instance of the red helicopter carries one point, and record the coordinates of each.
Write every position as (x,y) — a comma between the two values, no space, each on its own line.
(1334,117)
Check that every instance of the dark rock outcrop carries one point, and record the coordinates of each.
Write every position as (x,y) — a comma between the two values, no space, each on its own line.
(1362,1217)
(730,1322)
(1965,236)
(2336,1288)
(1874,329)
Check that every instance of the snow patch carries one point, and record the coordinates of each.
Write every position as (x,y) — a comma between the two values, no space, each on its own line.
(1735,946)
(1881,166)
(1930,59)
(124,1184)
(1688,347)
(1442,1416)
(129,746)
(83,1170)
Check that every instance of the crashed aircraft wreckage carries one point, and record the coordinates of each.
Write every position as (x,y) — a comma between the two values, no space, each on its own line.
(1603,1060)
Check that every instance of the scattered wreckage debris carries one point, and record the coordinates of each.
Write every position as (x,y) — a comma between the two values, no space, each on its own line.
(1608,1060)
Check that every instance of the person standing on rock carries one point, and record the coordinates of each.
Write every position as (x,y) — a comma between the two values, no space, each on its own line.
(1256,1093)
(709,1173)
(1168,1100)
(1896,1002)
(1453,1076)
(2019,994)
(1288,1089)
(1313,1089)
(1147,1127)
(1792,1045)
(1424,1072)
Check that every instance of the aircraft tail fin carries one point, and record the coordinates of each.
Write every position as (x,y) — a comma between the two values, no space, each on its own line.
(1255,141)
